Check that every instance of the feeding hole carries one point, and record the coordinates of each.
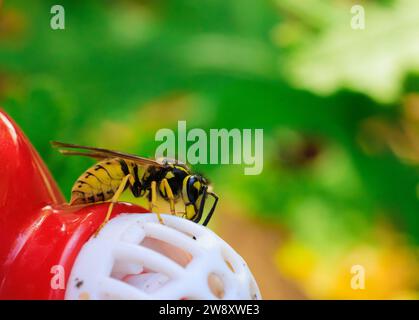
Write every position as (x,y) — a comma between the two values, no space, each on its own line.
(148,281)
(229,265)
(138,276)
(122,268)
(216,285)
(143,278)
(172,252)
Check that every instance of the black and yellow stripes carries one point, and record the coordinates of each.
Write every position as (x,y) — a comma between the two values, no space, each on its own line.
(98,183)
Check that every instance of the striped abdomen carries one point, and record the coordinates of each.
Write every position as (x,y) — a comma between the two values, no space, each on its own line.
(100,182)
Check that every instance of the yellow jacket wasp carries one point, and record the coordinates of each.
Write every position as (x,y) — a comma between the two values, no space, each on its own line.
(116,171)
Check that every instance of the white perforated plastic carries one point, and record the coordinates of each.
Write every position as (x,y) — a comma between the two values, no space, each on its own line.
(136,257)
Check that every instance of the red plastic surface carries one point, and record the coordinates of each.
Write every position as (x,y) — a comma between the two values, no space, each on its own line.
(37,230)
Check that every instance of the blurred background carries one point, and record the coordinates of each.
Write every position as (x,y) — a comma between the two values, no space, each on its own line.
(339,108)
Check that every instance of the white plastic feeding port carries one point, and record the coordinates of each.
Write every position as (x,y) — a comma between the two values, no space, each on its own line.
(136,257)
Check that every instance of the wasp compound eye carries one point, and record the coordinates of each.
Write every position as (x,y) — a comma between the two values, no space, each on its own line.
(194,188)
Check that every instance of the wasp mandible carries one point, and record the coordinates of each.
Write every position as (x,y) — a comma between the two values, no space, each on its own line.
(115,171)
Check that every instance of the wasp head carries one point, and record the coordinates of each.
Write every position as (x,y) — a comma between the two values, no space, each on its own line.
(195,192)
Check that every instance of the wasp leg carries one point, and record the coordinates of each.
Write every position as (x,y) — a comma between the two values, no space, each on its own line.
(170,195)
(201,206)
(114,199)
(153,200)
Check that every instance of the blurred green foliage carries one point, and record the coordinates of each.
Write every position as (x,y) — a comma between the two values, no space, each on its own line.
(326,54)
(123,69)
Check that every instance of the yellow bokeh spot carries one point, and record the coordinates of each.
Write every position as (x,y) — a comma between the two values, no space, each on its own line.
(295,261)
(390,270)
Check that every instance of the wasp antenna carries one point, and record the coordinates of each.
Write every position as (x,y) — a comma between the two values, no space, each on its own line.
(58,144)
(66,145)
(63,151)
(54,143)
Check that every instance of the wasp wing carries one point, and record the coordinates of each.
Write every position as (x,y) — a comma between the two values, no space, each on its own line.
(95,155)
(100,153)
